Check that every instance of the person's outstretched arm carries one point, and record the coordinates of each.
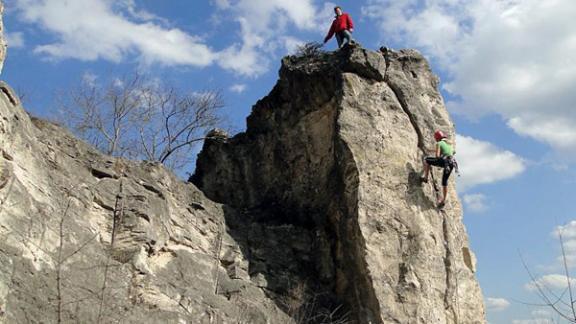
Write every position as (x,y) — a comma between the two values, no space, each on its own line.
(330,32)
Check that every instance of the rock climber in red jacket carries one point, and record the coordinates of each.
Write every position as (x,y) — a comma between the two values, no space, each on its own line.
(343,27)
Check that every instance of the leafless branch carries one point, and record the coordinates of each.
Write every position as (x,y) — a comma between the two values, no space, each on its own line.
(134,117)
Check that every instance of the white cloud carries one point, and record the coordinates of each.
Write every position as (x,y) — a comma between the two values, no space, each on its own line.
(266,28)
(14,40)
(475,203)
(238,88)
(539,316)
(135,12)
(116,30)
(482,163)
(541,313)
(558,281)
(506,57)
(558,132)
(567,231)
(222,4)
(267,13)
(89,79)
(568,234)
(497,304)
(100,29)
(549,282)
(534,321)
(292,44)
(245,58)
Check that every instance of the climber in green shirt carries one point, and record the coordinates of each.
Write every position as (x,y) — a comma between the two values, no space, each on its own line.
(443,159)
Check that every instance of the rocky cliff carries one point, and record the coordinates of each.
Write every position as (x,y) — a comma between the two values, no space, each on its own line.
(335,150)
(86,238)
(313,215)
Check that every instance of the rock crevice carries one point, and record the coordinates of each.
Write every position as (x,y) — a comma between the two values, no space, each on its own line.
(448,258)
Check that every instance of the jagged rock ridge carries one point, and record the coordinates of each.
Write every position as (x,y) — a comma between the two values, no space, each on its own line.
(335,149)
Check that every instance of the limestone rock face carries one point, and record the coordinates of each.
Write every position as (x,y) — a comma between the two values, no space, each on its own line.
(85,238)
(335,151)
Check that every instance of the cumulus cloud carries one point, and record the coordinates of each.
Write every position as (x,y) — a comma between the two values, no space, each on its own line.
(292,44)
(549,282)
(556,283)
(534,321)
(102,29)
(475,203)
(222,4)
(245,58)
(567,233)
(89,79)
(541,313)
(483,163)
(497,304)
(557,131)
(505,57)
(14,40)
(266,30)
(238,88)
(116,30)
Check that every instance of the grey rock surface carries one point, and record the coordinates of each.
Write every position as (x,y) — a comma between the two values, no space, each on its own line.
(336,149)
(86,238)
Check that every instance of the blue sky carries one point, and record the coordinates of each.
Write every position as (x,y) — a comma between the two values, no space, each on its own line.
(508,76)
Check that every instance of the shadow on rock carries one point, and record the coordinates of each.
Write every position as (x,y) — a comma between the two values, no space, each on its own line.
(282,260)
(416,189)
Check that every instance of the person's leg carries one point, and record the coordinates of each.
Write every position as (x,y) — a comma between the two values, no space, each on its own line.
(339,39)
(348,36)
(445,175)
(429,161)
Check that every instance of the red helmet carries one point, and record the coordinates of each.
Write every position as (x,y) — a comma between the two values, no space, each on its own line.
(438,135)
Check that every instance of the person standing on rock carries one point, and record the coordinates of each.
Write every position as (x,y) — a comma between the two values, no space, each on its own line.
(444,159)
(343,27)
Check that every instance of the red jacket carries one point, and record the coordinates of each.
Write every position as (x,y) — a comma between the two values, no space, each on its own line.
(340,23)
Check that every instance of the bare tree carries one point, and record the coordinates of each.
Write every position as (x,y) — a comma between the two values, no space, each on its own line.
(562,302)
(311,49)
(137,118)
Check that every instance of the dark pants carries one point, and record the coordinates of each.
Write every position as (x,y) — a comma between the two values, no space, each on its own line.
(442,162)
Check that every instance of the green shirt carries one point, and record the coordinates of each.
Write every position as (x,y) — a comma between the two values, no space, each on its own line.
(445,148)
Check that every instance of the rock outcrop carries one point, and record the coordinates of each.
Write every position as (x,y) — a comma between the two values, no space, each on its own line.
(86,238)
(335,150)
(314,215)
